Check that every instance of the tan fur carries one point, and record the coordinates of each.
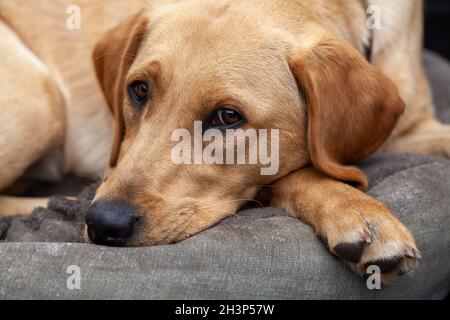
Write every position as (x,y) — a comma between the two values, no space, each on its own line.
(352,107)
(31,115)
(20,206)
(341,214)
(292,65)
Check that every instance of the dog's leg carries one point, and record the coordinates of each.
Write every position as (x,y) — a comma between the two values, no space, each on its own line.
(427,137)
(399,56)
(31,108)
(358,229)
(418,131)
(12,206)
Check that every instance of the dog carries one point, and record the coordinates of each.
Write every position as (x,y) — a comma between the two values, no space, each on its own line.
(336,90)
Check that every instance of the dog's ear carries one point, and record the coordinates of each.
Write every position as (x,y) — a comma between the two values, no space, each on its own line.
(352,107)
(113,56)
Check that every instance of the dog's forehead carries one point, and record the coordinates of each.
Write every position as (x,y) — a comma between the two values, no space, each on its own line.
(216,30)
(216,56)
(211,49)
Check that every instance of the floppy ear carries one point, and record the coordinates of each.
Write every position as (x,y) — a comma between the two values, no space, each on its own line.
(113,56)
(352,107)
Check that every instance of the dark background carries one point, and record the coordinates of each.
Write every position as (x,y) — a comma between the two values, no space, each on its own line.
(437,26)
(437,29)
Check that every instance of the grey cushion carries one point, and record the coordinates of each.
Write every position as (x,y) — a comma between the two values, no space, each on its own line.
(257,254)
(438,70)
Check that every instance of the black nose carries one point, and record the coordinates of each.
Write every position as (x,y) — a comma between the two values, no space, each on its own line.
(110,223)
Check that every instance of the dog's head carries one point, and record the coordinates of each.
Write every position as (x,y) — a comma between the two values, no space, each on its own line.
(161,71)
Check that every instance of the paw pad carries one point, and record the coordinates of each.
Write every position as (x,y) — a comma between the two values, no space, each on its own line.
(350,251)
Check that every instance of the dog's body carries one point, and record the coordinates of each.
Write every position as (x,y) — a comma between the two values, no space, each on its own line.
(65,58)
(64,97)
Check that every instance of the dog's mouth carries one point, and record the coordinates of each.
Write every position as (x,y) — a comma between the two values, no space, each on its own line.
(108,241)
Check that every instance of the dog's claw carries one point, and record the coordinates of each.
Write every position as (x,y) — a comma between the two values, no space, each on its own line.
(413,253)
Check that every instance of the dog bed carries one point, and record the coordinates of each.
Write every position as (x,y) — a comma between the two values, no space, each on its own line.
(257,254)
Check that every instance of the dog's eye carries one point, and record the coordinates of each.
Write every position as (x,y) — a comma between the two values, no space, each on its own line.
(138,92)
(226,118)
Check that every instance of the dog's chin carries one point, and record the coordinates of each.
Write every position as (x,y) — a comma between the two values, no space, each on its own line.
(148,240)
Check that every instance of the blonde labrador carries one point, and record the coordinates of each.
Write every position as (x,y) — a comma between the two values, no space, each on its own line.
(334,89)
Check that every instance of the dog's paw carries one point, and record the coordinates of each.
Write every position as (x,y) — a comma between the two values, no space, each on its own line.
(368,235)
